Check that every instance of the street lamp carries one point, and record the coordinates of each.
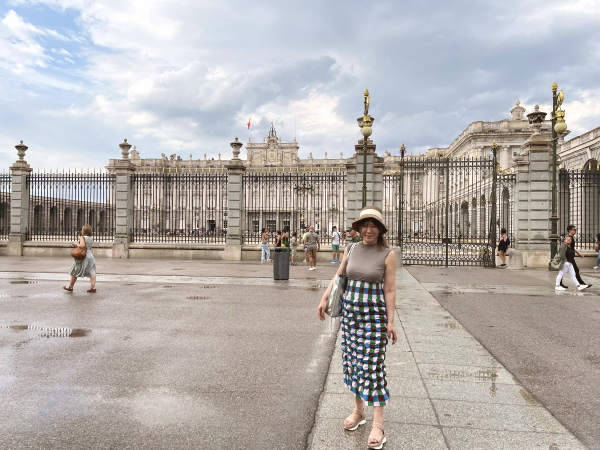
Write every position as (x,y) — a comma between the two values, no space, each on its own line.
(401,193)
(559,126)
(365,123)
(302,189)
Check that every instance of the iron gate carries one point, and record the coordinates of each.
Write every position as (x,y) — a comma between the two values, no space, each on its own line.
(579,203)
(293,200)
(445,210)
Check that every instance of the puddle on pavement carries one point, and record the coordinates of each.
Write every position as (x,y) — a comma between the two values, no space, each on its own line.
(452,325)
(528,397)
(198,297)
(476,379)
(50,332)
(24,282)
(208,286)
(465,375)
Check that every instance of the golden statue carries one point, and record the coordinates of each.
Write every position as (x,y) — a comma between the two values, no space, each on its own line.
(559,99)
(367,101)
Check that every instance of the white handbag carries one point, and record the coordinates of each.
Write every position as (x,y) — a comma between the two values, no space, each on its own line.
(334,301)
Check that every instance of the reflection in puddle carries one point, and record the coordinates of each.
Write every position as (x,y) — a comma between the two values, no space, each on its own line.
(50,332)
(467,378)
(24,282)
(452,325)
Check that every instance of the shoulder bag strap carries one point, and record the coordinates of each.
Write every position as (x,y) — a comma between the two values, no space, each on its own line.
(348,258)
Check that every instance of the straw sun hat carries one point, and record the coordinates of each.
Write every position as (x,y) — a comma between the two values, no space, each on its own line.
(370,212)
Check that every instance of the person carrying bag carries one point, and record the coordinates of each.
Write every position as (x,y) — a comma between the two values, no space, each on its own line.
(334,300)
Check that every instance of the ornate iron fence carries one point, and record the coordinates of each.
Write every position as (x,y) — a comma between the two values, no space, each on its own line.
(180,207)
(442,212)
(5,189)
(60,204)
(579,205)
(505,205)
(293,200)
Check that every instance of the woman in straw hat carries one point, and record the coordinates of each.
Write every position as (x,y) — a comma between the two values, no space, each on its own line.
(368,304)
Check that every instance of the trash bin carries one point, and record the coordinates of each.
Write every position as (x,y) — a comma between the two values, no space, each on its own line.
(281,263)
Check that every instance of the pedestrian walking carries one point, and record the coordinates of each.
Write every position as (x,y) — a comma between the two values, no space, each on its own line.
(571,231)
(335,244)
(265,254)
(294,247)
(503,245)
(305,247)
(597,249)
(566,254)
(368,314)
(313,246)
(85,267)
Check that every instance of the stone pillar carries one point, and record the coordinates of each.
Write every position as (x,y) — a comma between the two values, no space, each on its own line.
(123,169)
(19,204)
(374,169)
(353,194)
(505,157)
(235,204)
(533,201)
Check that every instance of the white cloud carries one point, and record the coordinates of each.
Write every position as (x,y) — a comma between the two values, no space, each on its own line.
(19,49)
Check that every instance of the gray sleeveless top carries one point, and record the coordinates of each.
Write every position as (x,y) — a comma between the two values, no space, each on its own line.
(367,263)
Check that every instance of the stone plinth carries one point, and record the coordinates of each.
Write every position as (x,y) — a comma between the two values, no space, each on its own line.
(533,201)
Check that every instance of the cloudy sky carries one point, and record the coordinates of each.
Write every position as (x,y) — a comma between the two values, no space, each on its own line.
(182,76)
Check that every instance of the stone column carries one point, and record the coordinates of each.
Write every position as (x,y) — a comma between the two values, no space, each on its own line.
(235,204)
(123,169)
(355,170)
(505,157)
(533,201)
(19,203)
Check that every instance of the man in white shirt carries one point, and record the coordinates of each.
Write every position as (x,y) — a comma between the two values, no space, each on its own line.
(335,244)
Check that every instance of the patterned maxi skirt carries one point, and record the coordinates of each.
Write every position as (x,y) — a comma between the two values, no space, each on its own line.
(364,340)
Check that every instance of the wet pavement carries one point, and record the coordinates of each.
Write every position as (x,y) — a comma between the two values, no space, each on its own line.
(448,390)
(229,359)
(548,340)
(215,354)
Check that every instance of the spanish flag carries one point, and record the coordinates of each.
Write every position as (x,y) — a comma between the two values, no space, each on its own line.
(249,122)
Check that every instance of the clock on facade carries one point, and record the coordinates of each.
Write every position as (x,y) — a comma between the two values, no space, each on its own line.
(271,156)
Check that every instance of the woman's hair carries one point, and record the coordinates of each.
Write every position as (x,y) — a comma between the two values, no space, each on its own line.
(568,236)
(294,234)
(381,241)
(503,231)
(86,230)
(263,230)
(278,231)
